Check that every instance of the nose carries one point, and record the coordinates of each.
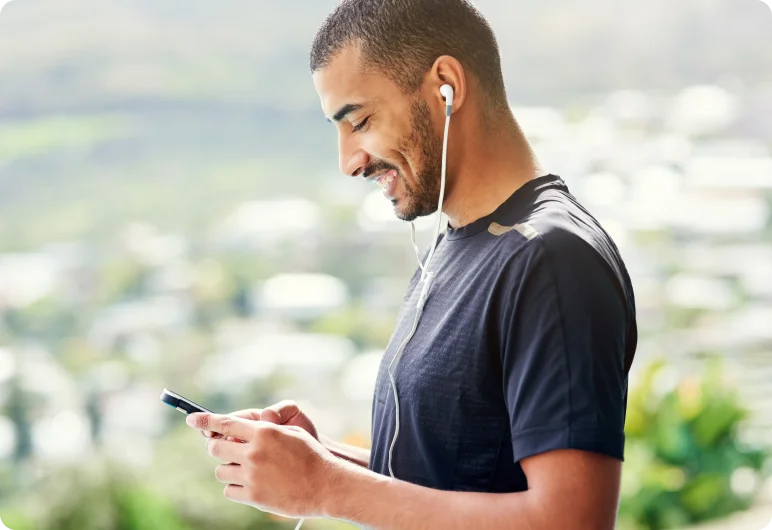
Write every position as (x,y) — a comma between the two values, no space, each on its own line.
(351,158)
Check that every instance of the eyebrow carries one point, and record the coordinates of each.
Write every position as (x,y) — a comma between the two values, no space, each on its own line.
(344,111)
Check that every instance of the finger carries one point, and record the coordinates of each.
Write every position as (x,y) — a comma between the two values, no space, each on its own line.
(300,431)
(229,452)
(280,413)
(217,435)
(236,493)
(224,425)
(231,474)
(248,414)
(209,435)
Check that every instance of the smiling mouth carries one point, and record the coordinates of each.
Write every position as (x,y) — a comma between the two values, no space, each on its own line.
(385,180)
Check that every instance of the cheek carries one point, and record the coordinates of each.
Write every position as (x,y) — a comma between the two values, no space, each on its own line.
(393,142)
(391,149)
(409,149)
(412,161)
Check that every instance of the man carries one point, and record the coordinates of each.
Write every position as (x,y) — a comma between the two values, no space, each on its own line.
(513,389)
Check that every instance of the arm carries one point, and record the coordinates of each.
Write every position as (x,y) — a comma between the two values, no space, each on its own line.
(567,489)
(351,453)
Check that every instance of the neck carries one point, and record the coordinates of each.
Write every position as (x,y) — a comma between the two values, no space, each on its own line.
(487,168)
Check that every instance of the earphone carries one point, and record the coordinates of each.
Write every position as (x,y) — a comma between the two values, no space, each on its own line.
(447,93)
(426,274)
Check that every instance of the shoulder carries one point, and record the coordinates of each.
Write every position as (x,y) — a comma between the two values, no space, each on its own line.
(554,242)
(555,223)
(565,247)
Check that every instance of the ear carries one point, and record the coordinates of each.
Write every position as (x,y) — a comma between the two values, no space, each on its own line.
(448,70)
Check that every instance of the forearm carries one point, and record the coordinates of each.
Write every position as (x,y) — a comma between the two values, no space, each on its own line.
(378,502)
(350,453)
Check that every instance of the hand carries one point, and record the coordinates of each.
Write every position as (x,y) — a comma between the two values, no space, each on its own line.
(283,413)
(282,469)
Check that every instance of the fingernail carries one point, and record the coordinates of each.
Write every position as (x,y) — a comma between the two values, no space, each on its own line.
(190,420)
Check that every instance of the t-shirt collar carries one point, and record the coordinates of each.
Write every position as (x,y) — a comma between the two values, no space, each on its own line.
(521,197)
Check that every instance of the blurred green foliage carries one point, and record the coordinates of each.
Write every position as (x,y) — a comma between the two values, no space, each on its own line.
(365,329)
(682,451)
(178,491)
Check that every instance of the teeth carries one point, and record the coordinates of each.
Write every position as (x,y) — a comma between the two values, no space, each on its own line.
(387,179)
(386,182)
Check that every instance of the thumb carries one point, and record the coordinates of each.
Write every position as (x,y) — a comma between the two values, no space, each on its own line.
(280,413)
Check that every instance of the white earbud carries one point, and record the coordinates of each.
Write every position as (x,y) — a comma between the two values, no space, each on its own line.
(447,93)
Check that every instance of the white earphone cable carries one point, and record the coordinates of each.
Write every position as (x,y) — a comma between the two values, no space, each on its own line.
(426,278)
(442,195)
(415,246)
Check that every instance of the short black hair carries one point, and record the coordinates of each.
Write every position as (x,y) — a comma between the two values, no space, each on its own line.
(403,39)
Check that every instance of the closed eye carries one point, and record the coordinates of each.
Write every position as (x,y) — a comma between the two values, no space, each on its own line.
(361,125)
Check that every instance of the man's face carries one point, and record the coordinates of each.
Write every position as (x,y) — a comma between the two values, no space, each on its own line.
(383,134)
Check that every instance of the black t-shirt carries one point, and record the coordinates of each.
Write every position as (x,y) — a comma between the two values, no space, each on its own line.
(523,347)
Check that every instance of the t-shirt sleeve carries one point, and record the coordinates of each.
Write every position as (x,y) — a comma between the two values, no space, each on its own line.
(563,343)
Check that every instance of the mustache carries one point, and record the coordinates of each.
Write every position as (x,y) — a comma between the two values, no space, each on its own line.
(377,167)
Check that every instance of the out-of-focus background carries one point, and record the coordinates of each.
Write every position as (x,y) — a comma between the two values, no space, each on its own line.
(172,215)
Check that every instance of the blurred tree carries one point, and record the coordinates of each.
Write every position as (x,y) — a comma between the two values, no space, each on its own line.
(241,301)
(683,450)
(48,319)
(366,329)
(121,280)
(16,408)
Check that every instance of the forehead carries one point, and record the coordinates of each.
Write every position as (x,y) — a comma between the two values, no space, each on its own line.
(346,81)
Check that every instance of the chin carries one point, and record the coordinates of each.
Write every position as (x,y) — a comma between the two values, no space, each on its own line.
(408,216)
(403,209)
(404,214)
(409,210)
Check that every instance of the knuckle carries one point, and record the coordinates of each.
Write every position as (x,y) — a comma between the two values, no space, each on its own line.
(226,426)
(291,408)
(271,432)
(213,447)
(266,434)
(203,422)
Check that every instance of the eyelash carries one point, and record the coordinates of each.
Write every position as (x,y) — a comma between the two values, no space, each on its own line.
(361,124)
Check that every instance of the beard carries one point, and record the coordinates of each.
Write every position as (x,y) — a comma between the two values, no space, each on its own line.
(423,145)
(422,198)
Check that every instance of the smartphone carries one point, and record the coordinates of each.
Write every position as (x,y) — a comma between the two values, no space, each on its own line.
(187,406)
(180,403)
